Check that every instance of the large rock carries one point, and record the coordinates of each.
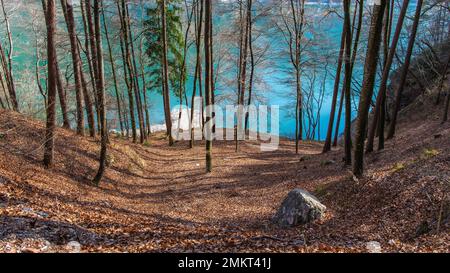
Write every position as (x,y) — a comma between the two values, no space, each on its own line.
(299,207)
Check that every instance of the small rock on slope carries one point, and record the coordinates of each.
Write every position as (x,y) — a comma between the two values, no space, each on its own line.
(299,207)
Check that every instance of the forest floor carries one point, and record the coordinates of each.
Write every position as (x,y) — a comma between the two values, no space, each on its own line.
(156,198)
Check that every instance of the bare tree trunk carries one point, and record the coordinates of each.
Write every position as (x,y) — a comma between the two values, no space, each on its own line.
(50,18)
(208,81)
(135,78)
(182,87)
(166,91)
(4,67)
(144,92)
(113,68)
(101,94)
(252,61)
(37,72)
(87,102)
(347,84)
(62,91)
(243,75)
(2,104)
(144,84)
(9,71)
(94,56)
(211,67)
(327,145)
(370,69)
(441,85)
(381,97)
(123,40)
(76,62)
(447,103)
(298,18)
(405,69)
(59,84)
(239,75)
(197,69)
(355,52)
(125,115)
(2,84)
(87,52)
(62,99)
(382,116)
(337,80)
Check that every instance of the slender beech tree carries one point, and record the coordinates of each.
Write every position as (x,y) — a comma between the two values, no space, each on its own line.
(59,84)
(359,5)
(337,79)
(441,84)
(384,79)
(4,67)
(199,20)
(387,39)
(347,84)
(87,100)
(2,85)
(370,69)
(100,80)
(211,65)
(2,104)
(405,69)
(37,70)
(87,49)
(208,82)
(87,53)
(4,70)
(293,33)
(252,60)
(144,86)
(134,77)
(76,62)
(143,75)
(113,70)
(166,91)
(93,50)
(50,20)
(42,91)
(447,103)
(245,25)
(125,59)
(8,65)
(62,97)
(183,68)
(239,74)
(298,16)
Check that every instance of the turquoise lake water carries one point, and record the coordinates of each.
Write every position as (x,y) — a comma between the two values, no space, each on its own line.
(274,92)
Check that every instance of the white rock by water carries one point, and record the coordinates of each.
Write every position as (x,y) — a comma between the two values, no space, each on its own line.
(181,122)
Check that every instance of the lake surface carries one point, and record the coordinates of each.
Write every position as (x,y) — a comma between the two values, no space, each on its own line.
(274,91)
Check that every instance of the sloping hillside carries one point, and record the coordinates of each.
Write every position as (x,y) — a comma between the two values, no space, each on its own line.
(158,198)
